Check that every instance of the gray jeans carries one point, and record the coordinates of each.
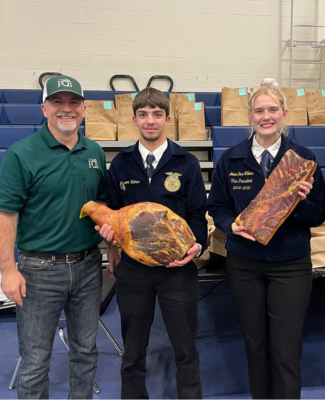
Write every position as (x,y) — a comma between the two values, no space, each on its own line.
(75,288)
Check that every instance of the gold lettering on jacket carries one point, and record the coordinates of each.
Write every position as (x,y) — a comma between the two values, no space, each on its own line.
(245,173)
(241,180)
(132,182)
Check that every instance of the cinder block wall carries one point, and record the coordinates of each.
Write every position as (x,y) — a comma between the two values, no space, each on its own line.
(203,45)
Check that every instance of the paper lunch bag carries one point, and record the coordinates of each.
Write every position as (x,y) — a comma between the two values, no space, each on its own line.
(191,124)
(175,100)
(100,120)
(296,105)
(317,243)
(126,130)
(316,107)
(234,107)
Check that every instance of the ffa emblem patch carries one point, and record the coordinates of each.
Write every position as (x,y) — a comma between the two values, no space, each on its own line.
(172,183)
(122,186)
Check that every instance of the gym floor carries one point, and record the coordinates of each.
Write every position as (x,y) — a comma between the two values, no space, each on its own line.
(219,341)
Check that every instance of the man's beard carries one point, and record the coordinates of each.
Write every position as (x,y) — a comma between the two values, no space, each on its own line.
(67,126)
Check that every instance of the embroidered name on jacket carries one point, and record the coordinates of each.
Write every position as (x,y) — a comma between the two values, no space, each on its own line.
(241,180)
(132,182)
(172,182)
(245,173)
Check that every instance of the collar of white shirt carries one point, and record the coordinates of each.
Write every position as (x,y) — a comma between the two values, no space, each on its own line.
(158,153)
(257,149)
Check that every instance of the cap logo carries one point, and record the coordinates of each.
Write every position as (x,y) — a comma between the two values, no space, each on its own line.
(64,82)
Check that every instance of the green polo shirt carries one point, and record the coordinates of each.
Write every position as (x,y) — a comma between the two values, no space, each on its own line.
(47,184)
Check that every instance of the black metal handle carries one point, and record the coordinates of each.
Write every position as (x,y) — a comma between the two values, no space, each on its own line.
(123,77)
(162,77)
(40,79)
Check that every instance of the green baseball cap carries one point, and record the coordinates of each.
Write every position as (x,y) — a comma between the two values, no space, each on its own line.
(62,83)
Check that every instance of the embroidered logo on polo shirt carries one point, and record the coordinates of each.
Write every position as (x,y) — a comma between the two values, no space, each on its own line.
(93,163)
(172,183)
(64,82)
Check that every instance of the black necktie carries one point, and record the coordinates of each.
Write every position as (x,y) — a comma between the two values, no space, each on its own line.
(266,162)
(150,169)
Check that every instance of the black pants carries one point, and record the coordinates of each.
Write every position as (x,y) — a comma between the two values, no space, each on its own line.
(271,299)
(177,293)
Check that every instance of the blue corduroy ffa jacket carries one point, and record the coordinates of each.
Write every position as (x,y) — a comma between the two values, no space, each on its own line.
(128,183)
(237,180)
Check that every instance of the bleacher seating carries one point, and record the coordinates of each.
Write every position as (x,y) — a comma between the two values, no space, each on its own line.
(310,135)
(319,152)
(209,98)
(226,136)
(9,134)
(22,106)
(22,114)
(17,96)
(212,115)
(2,118)
(217,153)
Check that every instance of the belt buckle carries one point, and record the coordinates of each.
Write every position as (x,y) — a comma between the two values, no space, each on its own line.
(67,258)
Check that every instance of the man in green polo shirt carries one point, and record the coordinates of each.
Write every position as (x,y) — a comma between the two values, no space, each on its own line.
(45,180)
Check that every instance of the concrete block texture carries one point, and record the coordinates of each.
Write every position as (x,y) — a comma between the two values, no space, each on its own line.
(202,46)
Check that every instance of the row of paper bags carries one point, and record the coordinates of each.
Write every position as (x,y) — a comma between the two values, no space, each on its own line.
(304,108)
(103,122)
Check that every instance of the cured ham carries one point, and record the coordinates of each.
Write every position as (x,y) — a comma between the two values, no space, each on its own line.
(278,197)
(148,232)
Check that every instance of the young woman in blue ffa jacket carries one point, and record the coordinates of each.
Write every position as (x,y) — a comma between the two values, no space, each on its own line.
(172,177)
(270,285)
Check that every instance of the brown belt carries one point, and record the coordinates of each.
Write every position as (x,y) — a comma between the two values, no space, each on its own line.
(63,258)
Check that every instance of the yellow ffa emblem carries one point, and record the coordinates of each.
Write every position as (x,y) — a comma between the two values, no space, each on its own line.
(122,186)
(172,183)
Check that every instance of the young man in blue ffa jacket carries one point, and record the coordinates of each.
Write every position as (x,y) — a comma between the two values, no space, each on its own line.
(172,177)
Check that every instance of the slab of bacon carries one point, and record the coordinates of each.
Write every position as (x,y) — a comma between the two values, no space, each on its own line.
(148,232)
(278,197)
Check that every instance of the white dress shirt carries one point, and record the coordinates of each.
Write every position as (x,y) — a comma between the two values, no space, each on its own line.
(158,153)
(257,149)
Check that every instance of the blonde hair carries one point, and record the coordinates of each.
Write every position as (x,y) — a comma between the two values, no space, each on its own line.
(270,87)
